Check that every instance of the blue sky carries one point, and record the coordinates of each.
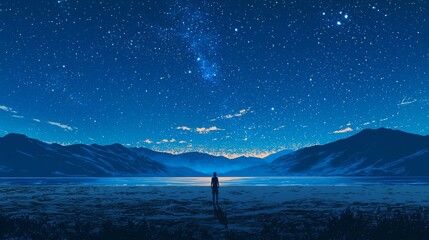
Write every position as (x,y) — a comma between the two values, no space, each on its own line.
(225,77)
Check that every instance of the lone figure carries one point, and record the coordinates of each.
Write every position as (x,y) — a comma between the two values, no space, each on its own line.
(215,188)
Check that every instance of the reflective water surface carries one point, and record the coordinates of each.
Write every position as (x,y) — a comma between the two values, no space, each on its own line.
(224,181)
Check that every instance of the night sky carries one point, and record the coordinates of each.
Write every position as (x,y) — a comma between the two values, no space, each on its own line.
(224,77)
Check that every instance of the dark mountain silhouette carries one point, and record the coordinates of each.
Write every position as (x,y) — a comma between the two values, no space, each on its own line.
(22,156)
(371,152)
(201,162)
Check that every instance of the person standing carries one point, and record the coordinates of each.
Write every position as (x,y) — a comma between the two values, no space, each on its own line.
(215,188)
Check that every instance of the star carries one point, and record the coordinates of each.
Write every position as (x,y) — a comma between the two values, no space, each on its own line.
(184,64)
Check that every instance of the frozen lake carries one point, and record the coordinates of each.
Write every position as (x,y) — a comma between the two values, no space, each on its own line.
(225,181)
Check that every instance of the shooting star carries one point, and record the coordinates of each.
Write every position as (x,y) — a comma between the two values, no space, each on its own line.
(407,101)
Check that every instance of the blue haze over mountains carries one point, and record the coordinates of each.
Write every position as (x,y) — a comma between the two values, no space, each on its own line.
(371,152)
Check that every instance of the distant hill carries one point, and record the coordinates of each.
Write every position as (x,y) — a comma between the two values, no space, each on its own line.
(201,162)
(371,152)
(21,156)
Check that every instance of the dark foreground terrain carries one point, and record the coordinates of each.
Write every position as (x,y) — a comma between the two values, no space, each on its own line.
(294,212)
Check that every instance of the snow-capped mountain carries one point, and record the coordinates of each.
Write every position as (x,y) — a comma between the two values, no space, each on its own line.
(371,152)
(21,156)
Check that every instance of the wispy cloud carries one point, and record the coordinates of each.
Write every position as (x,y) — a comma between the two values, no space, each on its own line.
(234,115)
(182,141)
(4,108)
(165,140)
(57,124)
(7,109)
(204,130)
(60,125)
(200,130)
(148,141)
(344,130)
(184,128)
(278,128)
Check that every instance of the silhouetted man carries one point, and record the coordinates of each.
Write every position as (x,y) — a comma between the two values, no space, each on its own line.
(215,188)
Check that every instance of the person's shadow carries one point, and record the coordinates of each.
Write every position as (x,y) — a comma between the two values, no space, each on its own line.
(221,216)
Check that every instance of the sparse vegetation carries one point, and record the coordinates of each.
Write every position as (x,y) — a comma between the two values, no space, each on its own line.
(349,224)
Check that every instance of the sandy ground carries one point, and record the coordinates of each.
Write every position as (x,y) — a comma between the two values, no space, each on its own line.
(246,208)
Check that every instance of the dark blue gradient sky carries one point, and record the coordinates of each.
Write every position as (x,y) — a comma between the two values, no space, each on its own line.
(225,77)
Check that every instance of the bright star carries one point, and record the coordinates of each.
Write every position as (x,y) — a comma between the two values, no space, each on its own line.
(236,29)
(346,16)
(338,23)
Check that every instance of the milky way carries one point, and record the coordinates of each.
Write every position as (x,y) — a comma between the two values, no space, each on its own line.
(225,77)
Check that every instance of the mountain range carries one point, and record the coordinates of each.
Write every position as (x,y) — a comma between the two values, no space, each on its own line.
(371,152)
(204,162)
(21,156)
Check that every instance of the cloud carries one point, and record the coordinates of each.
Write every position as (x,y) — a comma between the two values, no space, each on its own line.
(148,141)
(7,109)
(60,125)
(204,130)
(344,130)
(278,128)
(182,142)
(366,123)
(36,120)
(17,116)
(165,140)
(184,128)
(4,108)
(229,116)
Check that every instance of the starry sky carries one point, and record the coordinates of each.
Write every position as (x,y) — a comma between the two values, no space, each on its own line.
(230,78)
